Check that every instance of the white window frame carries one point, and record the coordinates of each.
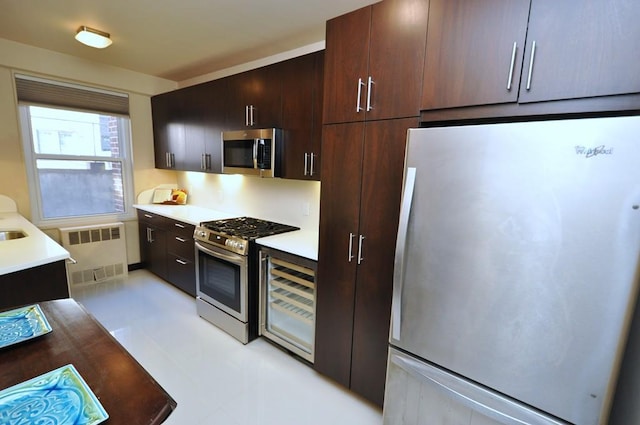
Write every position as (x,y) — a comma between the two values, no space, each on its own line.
(31,158)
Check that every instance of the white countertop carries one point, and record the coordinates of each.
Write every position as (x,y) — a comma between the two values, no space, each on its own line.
(34,250)
(190,214)
(302,242)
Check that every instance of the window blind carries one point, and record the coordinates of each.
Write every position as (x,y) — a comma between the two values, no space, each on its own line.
(53,93)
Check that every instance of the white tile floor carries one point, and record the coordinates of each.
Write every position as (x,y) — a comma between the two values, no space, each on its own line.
(214,378)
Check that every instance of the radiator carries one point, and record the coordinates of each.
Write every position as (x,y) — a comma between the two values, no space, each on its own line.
(99,251)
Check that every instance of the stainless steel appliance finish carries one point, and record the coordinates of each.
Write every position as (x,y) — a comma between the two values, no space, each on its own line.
(252,152)
(516,271)
(226,272)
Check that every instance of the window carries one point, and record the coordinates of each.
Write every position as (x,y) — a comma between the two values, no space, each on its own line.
(78,162)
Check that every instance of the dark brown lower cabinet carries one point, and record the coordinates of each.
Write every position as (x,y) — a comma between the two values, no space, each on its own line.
(167,250)
(40,283)
(361,188)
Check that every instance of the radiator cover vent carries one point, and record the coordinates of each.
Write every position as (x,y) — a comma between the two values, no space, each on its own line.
(100,252)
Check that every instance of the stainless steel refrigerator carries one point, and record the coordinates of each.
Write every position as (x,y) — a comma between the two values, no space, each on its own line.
(516,272)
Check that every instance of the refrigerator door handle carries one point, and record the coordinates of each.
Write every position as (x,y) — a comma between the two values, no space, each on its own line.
(398,270)
(475,397)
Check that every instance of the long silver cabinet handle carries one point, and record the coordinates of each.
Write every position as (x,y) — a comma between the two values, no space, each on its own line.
(306,156)
(351,236)
(533,55)
(179,261)
(150,235)
(370,84)
(513,62)
(179,225)
(360,84)
(313,158)
(360,257)
(471,395)
(398,270)
(179,239)
(246,115)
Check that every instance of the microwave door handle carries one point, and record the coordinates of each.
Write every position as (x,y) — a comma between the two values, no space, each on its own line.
(255,153)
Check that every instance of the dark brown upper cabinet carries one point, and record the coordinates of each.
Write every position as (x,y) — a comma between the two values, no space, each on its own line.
(374,60)
(476,52)
(302,115)
(582,49)
(254,99)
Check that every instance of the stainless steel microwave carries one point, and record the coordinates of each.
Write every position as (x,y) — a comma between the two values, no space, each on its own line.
(252,152)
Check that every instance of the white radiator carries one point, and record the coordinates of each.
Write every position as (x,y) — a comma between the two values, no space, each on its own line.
(100,252)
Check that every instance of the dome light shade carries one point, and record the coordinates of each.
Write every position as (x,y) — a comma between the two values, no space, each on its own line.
(93,38)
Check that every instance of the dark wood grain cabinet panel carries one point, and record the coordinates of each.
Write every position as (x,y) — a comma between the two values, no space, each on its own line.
(181,269)
(302,82)
(40,283)
(254,99)
(168,130)
(374,62)
(359,206)
(574,52)
(167,249)
(153,242)
(582,49)
(475,50)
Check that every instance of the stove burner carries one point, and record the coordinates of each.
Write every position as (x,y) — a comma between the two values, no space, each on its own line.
(247,228)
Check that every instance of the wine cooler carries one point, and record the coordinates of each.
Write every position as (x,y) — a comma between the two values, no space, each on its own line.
(287,301)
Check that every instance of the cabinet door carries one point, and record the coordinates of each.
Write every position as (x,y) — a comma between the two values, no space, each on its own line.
(396,58)
(346,66)
(297,115)
(215,110)
(168,130)
(470,57)
(342,146)
(382,173)
(255,99)
(156,249)
(193,120)
(582,49)
(316,128)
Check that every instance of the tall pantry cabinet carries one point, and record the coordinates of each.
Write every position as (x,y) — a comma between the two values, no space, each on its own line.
(368,106)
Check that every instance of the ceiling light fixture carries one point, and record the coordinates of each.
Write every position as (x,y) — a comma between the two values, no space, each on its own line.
(93,38)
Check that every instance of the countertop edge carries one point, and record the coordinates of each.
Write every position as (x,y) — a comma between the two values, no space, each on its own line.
(34,250)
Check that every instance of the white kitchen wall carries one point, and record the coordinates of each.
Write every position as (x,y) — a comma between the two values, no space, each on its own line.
(293,202)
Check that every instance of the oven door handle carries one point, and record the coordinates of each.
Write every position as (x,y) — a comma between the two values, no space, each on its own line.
(237,259)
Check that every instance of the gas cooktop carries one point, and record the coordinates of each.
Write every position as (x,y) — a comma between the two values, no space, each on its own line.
(247,227)
(234,234)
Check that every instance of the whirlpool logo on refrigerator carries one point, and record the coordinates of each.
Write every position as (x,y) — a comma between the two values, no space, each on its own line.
(592,152)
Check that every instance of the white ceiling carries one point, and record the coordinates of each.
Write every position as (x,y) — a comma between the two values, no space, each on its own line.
(173,39)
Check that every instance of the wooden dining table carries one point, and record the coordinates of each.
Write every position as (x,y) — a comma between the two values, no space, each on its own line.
(125,389)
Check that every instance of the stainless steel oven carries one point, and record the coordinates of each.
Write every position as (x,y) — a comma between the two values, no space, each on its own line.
(222,279)
(227,273)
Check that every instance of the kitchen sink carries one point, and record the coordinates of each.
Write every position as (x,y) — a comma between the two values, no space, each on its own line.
(6,235)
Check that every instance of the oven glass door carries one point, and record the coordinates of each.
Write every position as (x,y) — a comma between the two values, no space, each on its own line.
(222,279)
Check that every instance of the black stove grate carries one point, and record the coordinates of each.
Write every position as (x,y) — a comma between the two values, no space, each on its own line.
(248,228)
